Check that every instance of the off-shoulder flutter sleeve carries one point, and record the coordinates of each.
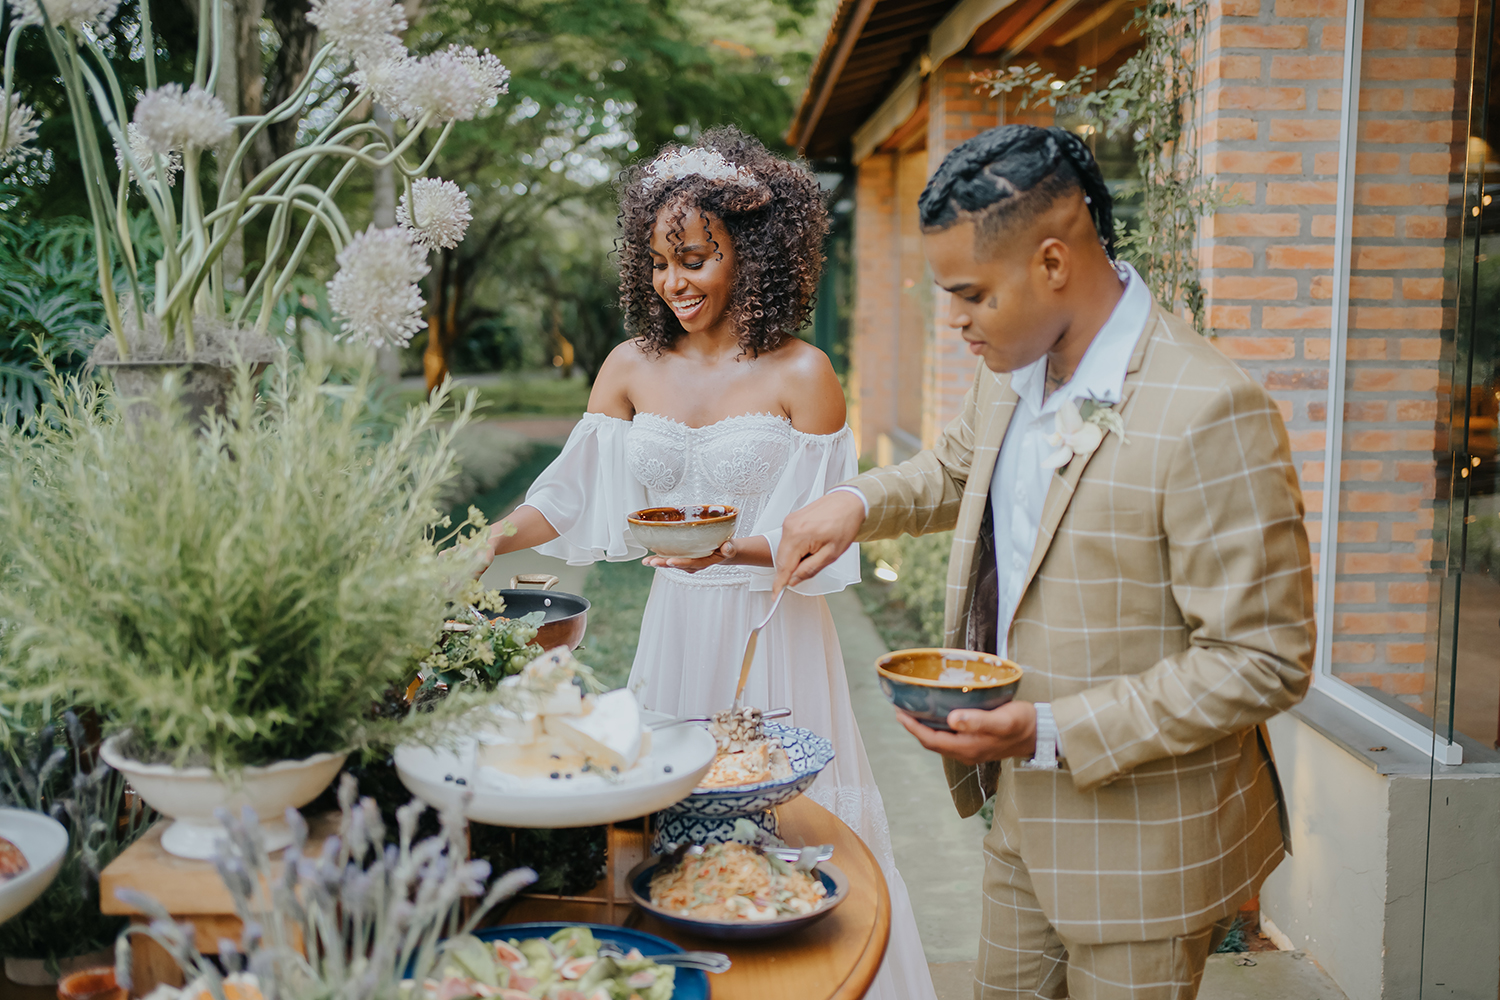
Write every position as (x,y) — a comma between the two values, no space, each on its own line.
(587,491)
(818,463)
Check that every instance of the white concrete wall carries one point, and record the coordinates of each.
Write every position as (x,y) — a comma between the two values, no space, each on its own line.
(1329,895)
(1394,880)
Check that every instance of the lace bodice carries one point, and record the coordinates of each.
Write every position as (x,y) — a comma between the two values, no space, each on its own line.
(757,462)
(736,461)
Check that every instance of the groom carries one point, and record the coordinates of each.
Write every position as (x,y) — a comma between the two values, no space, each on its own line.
(1129,530)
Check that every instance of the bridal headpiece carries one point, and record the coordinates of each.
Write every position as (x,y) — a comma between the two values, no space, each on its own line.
(696,161)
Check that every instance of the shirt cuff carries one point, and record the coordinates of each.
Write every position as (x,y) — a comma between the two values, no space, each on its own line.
(1048,743)
(857,492)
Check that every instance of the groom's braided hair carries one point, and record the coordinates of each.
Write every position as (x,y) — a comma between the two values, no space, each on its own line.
(1005,177)
(777,228)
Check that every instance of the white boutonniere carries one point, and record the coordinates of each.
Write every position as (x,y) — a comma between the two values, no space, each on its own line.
(1081,429)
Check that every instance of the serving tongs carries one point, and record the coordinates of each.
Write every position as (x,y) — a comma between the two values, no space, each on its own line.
(775,713)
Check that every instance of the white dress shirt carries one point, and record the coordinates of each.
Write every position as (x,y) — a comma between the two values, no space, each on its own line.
(1018,488)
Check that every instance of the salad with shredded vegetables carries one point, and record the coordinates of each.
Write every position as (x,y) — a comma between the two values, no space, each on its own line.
(565,966)
(736,882)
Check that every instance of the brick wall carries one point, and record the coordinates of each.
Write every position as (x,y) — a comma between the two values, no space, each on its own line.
(872,376)
(1273,81)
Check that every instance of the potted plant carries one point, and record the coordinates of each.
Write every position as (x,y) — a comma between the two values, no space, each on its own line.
(54,770)
(232,600)
(181,311)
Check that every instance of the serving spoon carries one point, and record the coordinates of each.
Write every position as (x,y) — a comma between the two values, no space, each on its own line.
(708,961)
(739,691)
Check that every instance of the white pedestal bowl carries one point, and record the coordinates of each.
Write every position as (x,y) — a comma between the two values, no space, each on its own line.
(190,796)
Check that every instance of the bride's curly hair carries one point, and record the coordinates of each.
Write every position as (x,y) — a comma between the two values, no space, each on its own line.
(774,214)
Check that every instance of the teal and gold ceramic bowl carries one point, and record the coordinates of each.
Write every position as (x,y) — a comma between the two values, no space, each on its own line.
(930,683)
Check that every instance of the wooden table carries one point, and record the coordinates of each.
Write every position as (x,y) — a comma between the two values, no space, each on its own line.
(834,959)
(190,890)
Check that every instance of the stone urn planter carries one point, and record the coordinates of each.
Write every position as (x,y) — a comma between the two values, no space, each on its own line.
(190,795)
(205,387)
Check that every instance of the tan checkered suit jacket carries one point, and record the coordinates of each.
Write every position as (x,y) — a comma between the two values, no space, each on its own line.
(1167,614)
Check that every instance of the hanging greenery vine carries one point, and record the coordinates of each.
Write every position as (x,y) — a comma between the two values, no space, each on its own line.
(1153,98)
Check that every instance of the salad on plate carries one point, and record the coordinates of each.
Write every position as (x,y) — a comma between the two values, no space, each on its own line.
(565,966)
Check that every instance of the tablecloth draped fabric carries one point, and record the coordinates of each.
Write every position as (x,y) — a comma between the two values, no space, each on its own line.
(695,625)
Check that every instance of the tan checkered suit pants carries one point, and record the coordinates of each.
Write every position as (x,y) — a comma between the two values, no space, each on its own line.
(1023,956)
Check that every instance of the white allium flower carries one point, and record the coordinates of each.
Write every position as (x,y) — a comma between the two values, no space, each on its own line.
(453,84)
(356,27)
(19,128)
(74,13)
(142,153)
(171,119)
(486,69)
(435,212)
(384,75)
(375,291)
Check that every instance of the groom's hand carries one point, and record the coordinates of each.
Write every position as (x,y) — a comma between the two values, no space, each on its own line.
(979,736)
(816,535)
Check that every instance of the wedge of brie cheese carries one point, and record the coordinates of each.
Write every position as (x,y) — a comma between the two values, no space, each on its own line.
(609,735)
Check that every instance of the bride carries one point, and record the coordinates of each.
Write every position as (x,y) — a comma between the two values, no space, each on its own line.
(717,401)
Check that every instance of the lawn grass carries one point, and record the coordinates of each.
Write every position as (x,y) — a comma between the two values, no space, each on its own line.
(520,393)
(617,593)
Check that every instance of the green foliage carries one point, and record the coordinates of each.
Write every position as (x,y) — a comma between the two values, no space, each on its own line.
(53,772)
(479,650)
(915,600)
(618,593)
(233,594)
(50,308)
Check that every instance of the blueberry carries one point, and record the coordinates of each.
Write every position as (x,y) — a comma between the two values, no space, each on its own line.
(554,775)
(667,769)
(568,775)
(614,769)
(461,781)
(447,777)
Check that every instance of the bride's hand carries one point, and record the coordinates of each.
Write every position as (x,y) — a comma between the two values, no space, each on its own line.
(724,553)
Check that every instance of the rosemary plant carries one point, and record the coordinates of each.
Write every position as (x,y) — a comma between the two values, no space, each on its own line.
(169,129)
(351,921)
(232,595)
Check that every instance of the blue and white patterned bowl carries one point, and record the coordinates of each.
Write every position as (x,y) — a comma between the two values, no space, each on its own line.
(707,815)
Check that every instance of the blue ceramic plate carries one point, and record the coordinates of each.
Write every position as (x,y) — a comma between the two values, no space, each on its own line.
(639,880)
(688,984)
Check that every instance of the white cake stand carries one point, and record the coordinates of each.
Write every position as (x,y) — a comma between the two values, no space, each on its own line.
(442,777)
(43,841)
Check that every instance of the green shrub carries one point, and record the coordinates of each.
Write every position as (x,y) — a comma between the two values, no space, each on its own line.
(920,589)
(232,594)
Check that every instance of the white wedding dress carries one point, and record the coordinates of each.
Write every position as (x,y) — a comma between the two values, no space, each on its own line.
(695,626)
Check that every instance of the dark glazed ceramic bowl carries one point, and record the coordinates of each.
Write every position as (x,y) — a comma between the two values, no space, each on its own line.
(639,880)
(910,679)
(684,532)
